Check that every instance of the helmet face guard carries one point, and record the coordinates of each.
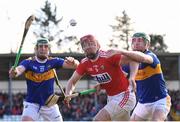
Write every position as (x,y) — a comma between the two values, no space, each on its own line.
(140,42)
(89,42)
(41,52)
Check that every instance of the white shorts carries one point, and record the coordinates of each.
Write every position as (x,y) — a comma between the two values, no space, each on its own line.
(47,113)
(120,104)
(146,110)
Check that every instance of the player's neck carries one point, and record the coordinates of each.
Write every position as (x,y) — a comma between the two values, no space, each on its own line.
(94,60)
(40,60)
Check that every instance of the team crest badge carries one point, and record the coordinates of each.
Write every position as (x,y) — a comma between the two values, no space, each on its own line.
(102,67)
(49,66)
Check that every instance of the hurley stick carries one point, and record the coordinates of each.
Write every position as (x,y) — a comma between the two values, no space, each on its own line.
(26,28)
(58,82)
(88,91)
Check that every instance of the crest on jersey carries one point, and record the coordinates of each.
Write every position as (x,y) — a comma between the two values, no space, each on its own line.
(102,67)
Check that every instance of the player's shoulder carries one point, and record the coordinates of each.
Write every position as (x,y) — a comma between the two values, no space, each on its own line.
(109,53)
(53,58)
(29,59)
(148,52)
(84,60)
(50,58)
(103,53)
(153,55)
(106,54)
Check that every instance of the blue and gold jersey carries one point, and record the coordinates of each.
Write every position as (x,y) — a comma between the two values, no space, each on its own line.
(40,78)
(150,81)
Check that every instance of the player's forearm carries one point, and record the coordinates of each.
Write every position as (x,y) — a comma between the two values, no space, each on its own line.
(20,70)
(133,69)
(72,83)
(70,88)
(135,55)
(16,72)
(76,63)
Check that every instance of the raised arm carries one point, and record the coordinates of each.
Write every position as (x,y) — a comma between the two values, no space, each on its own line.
(134,55)
(137,56)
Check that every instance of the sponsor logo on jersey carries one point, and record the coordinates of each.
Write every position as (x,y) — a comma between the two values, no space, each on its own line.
(102,78)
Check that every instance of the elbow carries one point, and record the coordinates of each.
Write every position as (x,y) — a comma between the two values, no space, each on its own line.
(144,60)
(148,60)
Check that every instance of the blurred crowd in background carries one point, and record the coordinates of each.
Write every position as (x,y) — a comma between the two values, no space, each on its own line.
(82,108)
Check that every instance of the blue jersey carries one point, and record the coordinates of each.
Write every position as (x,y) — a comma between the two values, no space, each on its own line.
(150,81)
(40,78)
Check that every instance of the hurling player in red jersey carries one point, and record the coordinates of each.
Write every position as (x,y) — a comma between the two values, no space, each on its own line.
(105,68)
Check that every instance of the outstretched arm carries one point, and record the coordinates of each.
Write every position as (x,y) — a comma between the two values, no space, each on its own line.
(135,55)
(70,63)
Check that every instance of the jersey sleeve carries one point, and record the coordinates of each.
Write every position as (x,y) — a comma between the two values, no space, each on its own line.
(25,63)
(155,60)
(81,69)
(58,62)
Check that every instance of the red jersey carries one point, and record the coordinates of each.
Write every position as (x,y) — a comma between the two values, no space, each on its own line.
(106,71)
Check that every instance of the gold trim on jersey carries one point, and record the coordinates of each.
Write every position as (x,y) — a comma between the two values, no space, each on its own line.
(148,72)
(39,77)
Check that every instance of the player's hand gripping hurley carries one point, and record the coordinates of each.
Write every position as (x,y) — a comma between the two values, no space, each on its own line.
(85,92)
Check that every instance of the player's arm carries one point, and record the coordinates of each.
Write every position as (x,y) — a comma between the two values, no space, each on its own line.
(71,84)
(17,71)
(133,69)
(70,63)
(138,56)
(135,55)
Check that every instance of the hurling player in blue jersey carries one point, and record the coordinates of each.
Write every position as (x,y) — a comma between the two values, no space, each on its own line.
(39,76)
(153,100)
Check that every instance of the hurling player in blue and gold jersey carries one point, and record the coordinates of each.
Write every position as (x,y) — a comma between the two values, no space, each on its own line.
(40,79)
(153,100)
